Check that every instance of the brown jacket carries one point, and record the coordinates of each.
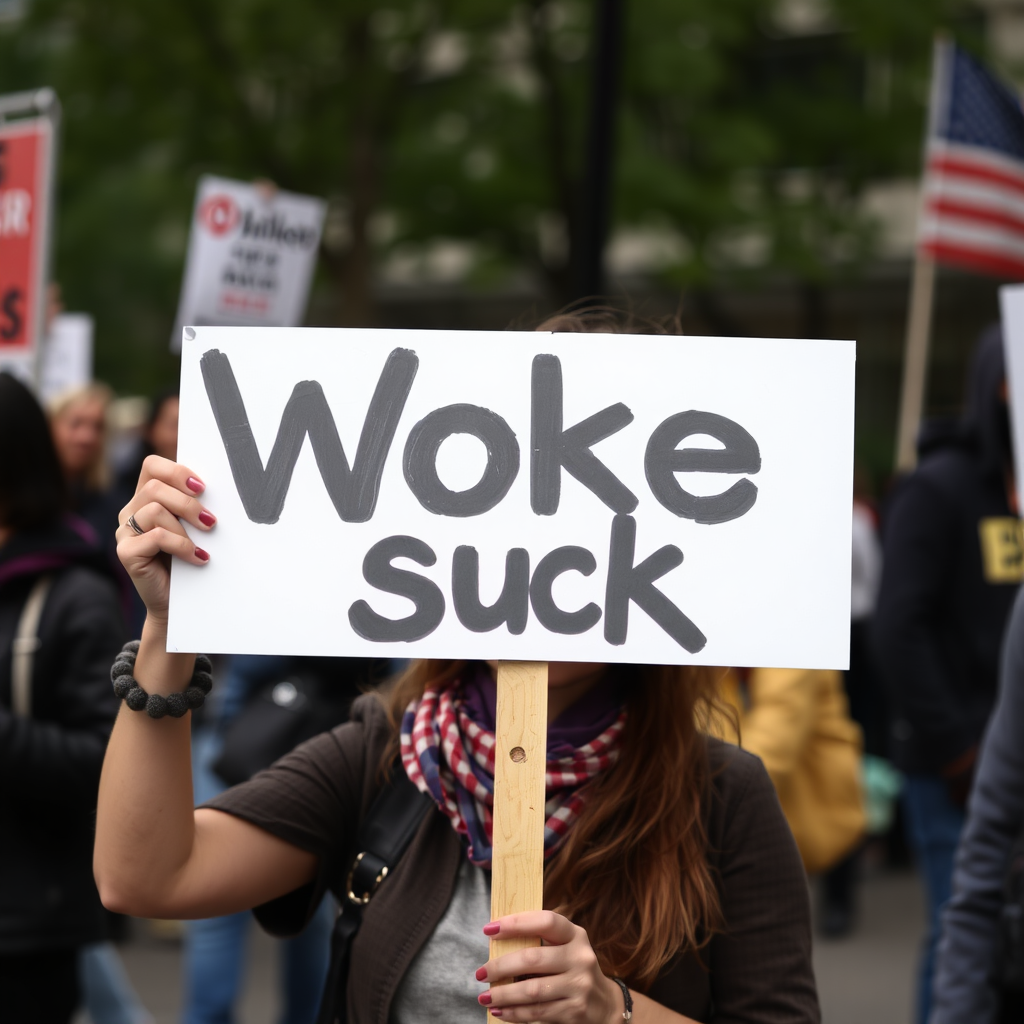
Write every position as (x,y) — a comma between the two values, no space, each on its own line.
(757,972)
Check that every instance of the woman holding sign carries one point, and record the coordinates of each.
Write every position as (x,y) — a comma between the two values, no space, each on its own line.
(674,888)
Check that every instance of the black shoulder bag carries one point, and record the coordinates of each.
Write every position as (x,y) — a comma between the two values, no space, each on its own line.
(311,697)
(383,838)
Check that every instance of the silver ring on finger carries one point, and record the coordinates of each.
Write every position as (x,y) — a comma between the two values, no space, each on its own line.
(135,526)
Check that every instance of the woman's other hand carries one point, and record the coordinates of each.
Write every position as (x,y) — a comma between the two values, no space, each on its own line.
(167,492)
(561,981)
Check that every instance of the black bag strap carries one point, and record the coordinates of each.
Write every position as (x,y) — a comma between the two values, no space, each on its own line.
(385,834)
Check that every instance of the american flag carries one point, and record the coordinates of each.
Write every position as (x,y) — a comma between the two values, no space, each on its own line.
(973,203)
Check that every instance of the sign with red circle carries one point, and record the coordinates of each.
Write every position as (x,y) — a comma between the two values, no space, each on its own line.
(251,256)
(219,214)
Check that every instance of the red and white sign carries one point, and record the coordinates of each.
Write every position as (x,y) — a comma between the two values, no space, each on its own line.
(251,256)
(25,153)
(218,214)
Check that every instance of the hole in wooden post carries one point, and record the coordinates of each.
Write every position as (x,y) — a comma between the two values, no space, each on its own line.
(517,754)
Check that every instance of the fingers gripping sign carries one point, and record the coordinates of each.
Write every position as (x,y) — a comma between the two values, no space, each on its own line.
(560,981)
(152,530)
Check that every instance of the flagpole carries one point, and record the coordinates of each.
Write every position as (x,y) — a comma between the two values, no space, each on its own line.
(915,360)
(922,296)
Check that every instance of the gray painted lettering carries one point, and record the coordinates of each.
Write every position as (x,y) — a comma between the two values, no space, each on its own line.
(381,574)
(553,448)
(420,463)
(628,582)
(663,460)
(511,607)
(263,490)
(552,565)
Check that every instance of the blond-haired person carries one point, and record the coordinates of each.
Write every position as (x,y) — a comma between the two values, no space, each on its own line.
(78,424)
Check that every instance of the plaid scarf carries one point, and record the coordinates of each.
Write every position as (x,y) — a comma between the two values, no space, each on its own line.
(450,757)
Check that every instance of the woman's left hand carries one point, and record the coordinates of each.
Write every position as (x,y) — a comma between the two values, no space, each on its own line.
(562,980)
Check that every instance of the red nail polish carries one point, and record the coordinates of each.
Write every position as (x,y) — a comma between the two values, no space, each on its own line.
(484,998)
(207,518)
(203,556)
(492,928)
(481,974)
(194,485)
(495,1013)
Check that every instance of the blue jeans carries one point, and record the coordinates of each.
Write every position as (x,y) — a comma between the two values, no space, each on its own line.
(215,958)
(107,994)
(934,824)
(215,948)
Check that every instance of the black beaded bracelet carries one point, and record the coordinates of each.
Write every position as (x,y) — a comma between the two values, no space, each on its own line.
(174,704)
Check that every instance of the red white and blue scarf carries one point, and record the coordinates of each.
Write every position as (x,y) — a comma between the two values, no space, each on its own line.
(450,756)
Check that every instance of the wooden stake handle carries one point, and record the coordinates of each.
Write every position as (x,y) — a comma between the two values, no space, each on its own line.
(520,755)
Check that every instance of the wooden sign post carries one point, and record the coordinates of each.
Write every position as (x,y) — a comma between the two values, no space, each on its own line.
(520,755)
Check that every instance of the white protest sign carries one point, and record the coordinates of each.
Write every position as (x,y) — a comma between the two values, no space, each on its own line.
(1011,301)
(523,496)
(251,256)
(66,355)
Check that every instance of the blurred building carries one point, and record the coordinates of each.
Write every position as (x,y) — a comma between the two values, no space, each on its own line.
(430,248)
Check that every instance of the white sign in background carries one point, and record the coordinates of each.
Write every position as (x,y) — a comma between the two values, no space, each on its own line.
(251,256)
(67,354)
(770,587)
(1011,301)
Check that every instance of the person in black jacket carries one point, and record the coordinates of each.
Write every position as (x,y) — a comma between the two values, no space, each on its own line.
(967,988)
(952,565)
(53,733)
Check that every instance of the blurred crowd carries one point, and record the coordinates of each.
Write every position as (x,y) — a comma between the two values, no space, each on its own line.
(919,746)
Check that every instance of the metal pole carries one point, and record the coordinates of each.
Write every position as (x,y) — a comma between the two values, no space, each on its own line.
(595,206)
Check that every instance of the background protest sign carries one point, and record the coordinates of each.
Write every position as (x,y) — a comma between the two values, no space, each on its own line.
(251,255)
(1011,300)
(569,528)
(26,155)
(66,357)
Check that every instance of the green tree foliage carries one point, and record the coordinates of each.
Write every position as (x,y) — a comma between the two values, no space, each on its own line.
(465,121)
(756,143)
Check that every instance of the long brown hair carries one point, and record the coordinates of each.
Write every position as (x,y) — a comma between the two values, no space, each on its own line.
(633,869)
(605,317)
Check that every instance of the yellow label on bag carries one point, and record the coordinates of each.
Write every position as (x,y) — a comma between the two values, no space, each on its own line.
(1002,549)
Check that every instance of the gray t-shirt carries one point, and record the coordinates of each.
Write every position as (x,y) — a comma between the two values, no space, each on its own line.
(441,981)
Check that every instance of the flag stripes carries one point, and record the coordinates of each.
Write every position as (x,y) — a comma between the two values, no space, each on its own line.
(972,212)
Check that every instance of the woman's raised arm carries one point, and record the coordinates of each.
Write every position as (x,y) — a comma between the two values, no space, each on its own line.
(155,856)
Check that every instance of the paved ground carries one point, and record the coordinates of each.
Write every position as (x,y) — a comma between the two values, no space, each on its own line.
(868,977)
